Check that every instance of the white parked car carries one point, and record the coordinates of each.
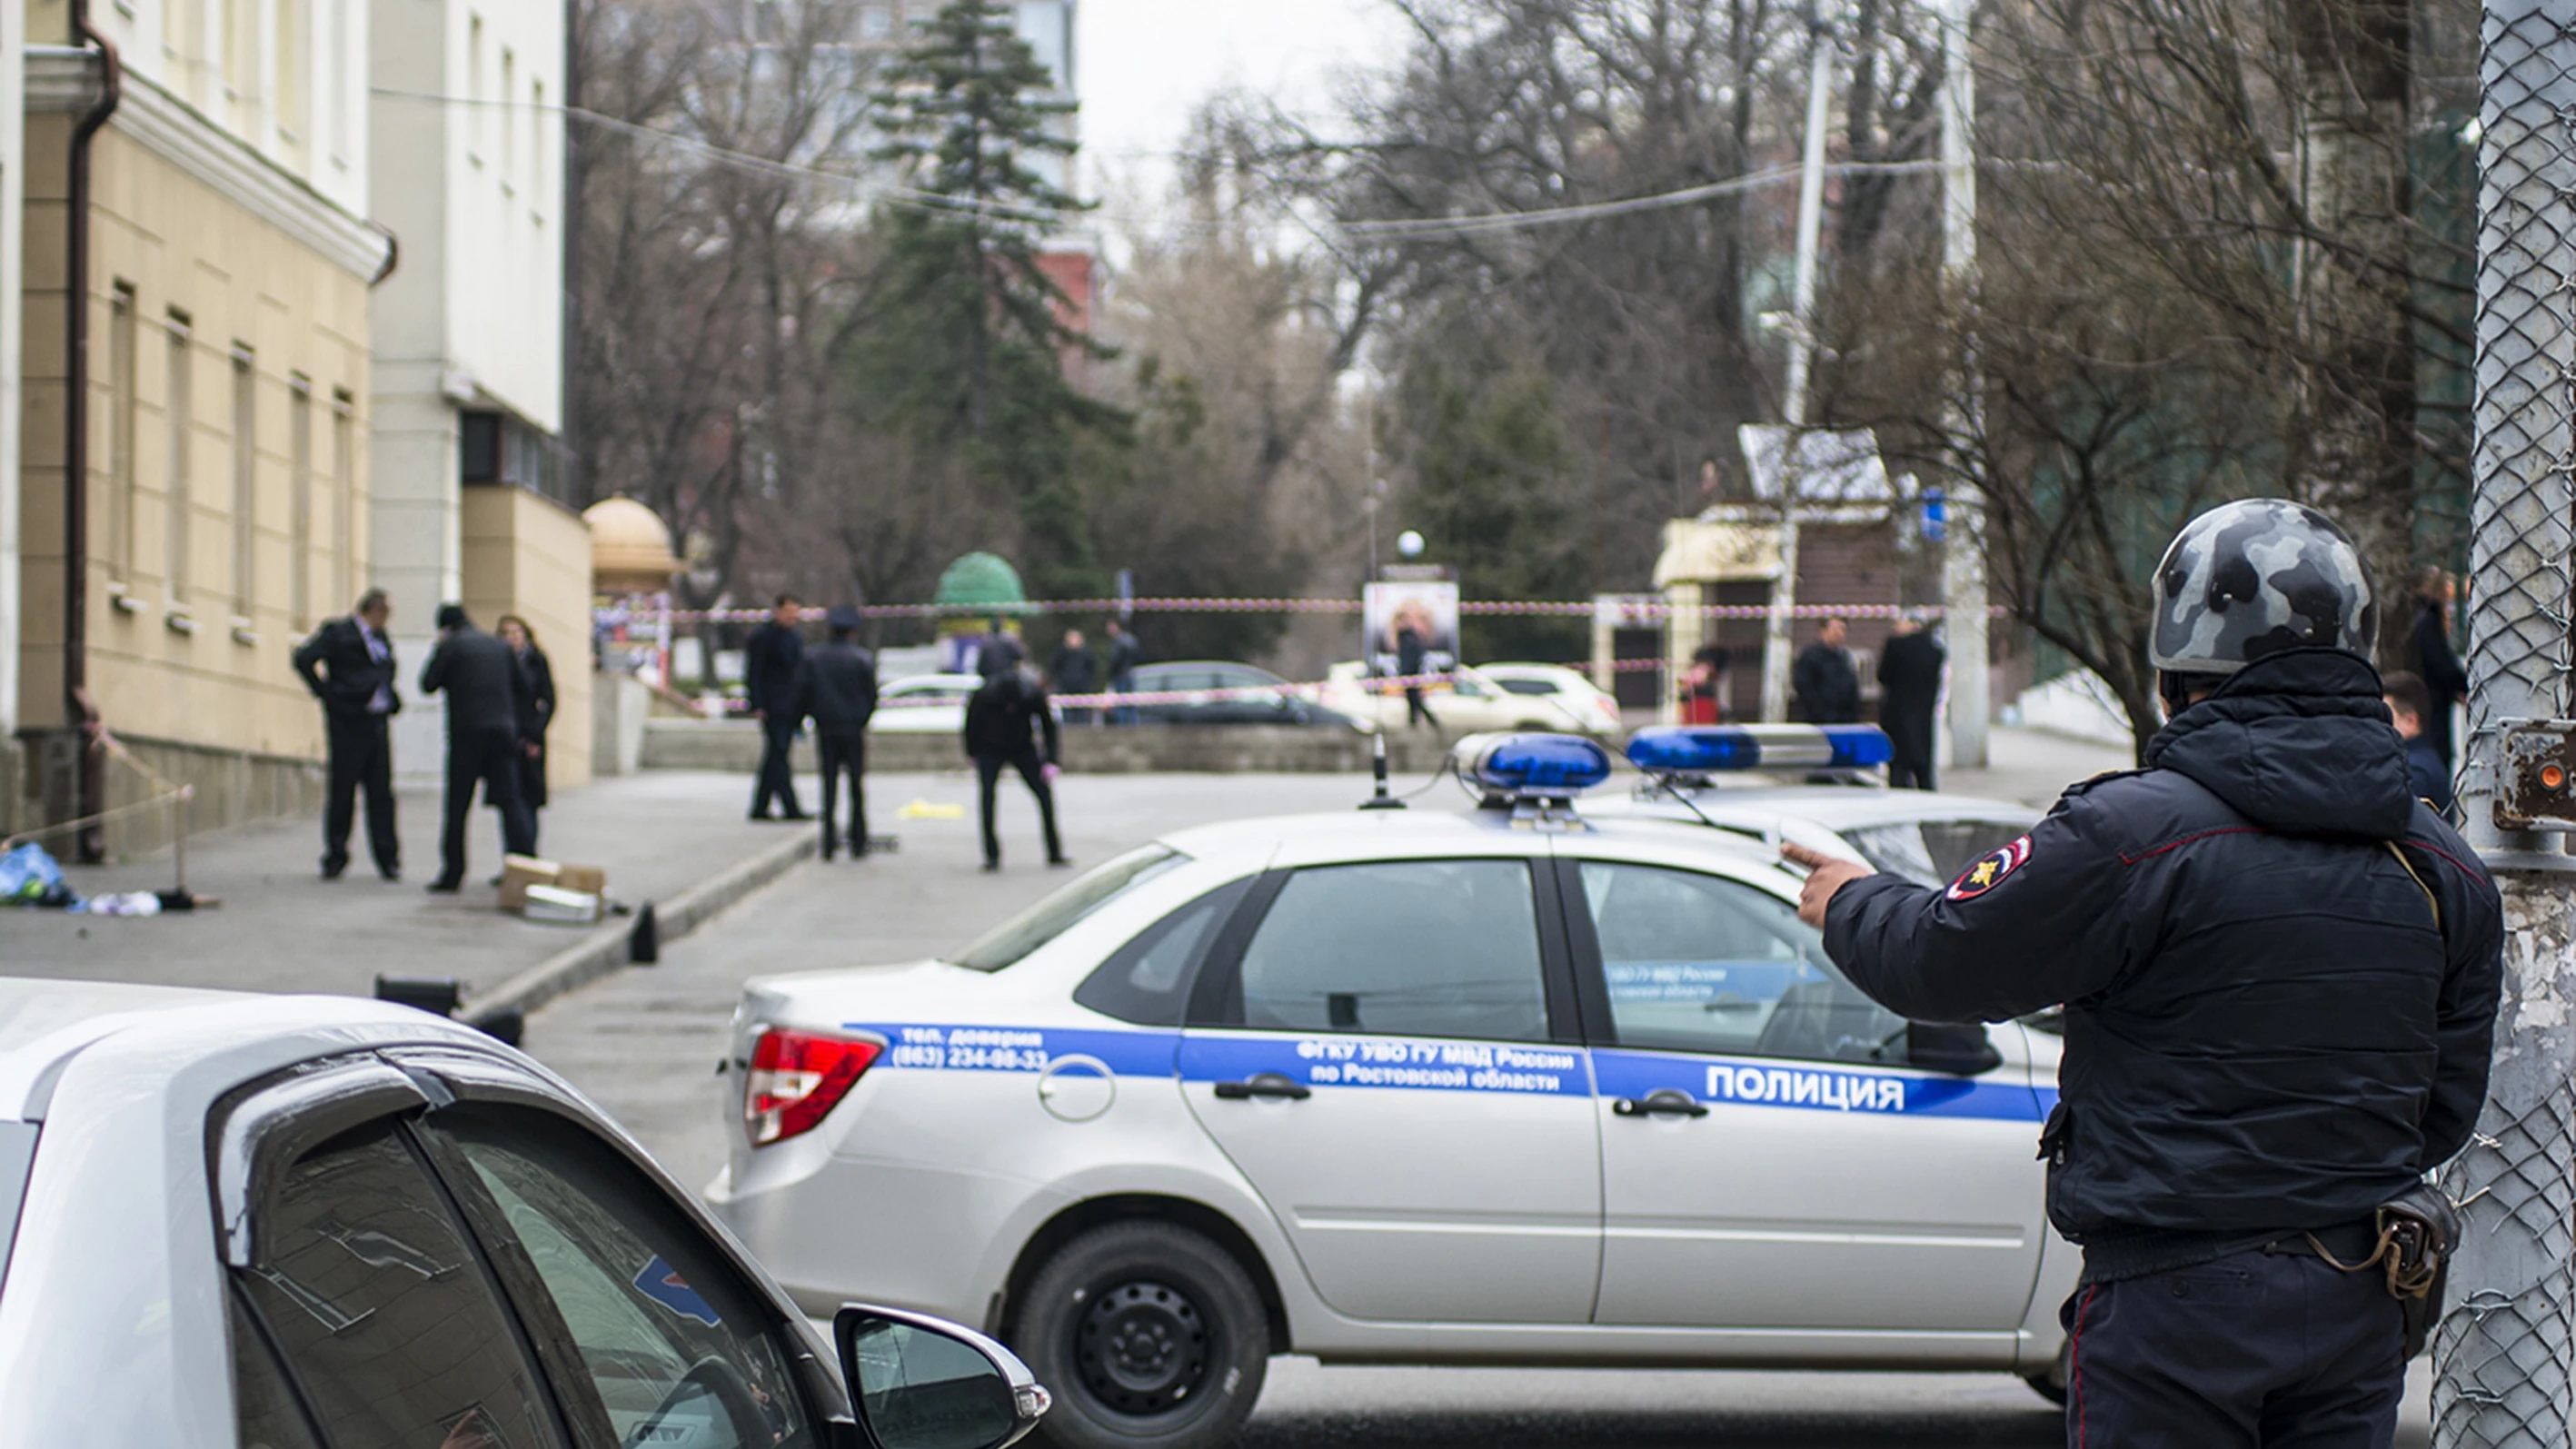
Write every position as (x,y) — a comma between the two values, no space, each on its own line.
(924,704)
(1464,701)
(262,1222)
(1571,688)
(1508,1085)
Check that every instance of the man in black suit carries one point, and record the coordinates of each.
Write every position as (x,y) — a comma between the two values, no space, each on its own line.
(1909,690)
(769,659)
(1010,725)
(485,691)
(349,666)
(1827,681)
(836,688)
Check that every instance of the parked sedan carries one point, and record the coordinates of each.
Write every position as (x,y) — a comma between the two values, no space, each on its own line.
(1212,692)
(1571,689)
(1463,700)
(258,1222)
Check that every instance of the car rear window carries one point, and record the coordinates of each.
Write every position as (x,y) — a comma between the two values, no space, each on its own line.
(1526,686)
(1014,939)
(17,1159)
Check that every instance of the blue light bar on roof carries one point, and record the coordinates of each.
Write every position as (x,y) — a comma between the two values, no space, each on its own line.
(1715,749)
(1553,767)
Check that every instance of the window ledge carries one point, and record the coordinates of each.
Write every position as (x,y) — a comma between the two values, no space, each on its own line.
(243,633)
(179,621)
(121,601)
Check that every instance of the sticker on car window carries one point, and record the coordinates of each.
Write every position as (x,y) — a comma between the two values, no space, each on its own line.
(663,1284)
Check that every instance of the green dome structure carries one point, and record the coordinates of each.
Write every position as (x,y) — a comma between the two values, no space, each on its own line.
(981,583)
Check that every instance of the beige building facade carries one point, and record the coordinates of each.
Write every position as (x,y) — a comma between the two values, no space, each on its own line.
(225,400)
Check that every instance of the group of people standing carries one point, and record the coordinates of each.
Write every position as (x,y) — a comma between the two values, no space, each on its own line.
(1827,681)
(500,693)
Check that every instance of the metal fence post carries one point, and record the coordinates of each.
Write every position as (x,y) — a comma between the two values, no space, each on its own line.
(2503,1354)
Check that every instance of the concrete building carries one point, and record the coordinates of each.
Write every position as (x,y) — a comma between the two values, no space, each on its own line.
(194,332)
(470,496)
(13,124)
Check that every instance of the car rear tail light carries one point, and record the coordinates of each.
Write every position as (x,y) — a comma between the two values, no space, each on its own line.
(796,1078)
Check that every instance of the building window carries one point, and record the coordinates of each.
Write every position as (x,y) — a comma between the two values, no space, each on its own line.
(344,491)
(180,535)
(241,32)
(475,120)
(336,75)
(292,81)
(245,479)
(121,363)
(540,128)
(299,438)
(509,115)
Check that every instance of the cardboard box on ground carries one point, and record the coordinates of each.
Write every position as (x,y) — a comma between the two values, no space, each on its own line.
(546,890)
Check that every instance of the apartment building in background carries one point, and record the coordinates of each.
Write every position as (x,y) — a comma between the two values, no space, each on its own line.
(471,497)
(217,272)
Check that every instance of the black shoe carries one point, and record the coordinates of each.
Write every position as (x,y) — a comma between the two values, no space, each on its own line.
(992,867)
(393,875)
(760,816)
(332,869)
(795,815)
(1059,862)
(827,852)
(496,880)
(859,848)
(446,886)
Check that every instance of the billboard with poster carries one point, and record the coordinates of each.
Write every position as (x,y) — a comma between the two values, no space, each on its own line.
(1429,608)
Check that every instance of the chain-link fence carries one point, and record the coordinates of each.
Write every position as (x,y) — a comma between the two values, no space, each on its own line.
(2504,1352)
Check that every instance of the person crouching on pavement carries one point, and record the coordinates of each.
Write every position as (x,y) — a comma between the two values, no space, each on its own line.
(836,688)
(2280,972)
(1009,724)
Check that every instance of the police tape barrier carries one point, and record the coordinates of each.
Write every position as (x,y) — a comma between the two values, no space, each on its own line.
(627,616)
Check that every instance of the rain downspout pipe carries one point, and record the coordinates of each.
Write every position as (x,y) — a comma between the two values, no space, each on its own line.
(90,845)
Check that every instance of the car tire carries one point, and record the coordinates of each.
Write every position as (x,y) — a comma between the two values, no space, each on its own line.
(1150,1337)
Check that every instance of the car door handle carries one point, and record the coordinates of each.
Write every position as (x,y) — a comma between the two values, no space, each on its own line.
(1660,1103)
(1267,1084)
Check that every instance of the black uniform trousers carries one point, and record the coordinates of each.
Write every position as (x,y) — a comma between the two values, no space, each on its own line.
(489,758)
(777,771)
(362,758)
(844,754)
(2255,1351)
(988,773)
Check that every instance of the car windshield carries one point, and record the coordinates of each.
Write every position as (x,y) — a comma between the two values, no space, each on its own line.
(1009,942)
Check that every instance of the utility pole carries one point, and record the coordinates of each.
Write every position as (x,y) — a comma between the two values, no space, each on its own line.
(2504,1354)
(1963,556)
(1802,361)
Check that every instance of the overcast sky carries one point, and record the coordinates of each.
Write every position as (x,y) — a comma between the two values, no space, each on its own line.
(1145,65)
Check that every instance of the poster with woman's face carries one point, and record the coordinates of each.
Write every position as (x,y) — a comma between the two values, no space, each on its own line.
(1427,611)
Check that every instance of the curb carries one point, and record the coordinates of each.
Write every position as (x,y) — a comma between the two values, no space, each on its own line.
(603,952)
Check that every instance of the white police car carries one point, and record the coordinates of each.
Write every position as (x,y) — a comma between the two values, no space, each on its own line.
(1731,777)
(291,1222)
(1507,1086)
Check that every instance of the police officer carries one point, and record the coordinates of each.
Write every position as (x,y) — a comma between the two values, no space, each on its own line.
(2280,973)
(836,688)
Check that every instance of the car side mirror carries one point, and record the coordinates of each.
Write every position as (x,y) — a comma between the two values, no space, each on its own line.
(921,1383)
(1960,1051)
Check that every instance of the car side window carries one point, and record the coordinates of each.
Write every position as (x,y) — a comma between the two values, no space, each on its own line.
(266,1413)
(383,1315)
(1954,845)
(1409,948)
(673,1344)
(1700,963)
(1147,981)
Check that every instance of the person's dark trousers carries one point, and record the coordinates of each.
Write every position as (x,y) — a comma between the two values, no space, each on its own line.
(777,770)
(489,758)
(1415,711)
(362,758)
(839,755)
(1123,714)
(988,772)
(2255,1351)
(1909,765)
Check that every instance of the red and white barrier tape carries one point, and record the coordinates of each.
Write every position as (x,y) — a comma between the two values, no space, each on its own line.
(1480,608)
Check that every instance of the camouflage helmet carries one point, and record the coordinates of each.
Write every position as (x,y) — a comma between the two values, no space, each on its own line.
(2255,577)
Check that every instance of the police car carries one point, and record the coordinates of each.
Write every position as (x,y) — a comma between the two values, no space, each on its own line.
(290,1222)
(1508,1085)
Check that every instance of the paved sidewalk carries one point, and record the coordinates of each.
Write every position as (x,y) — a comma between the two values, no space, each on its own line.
(282,928)
(2033,766)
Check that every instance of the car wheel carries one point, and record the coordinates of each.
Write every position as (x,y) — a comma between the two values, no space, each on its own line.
(1150,1337)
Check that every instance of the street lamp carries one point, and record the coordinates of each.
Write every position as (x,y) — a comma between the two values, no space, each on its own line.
(1409,544)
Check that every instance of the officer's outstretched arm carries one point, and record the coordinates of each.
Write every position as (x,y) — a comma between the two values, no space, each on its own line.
(2042,921)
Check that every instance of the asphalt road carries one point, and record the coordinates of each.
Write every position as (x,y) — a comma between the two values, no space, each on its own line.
(644,1044)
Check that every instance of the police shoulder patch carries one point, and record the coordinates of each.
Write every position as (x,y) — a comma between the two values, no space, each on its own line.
(1990,870)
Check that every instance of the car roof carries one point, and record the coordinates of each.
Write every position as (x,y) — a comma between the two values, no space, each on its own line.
(1433,826)
(1835,807)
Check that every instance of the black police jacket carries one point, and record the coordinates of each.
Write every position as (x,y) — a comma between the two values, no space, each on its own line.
(2279,968)
(836,688)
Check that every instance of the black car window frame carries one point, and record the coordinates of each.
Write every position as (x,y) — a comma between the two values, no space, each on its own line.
(1107,989)
(1216,1000)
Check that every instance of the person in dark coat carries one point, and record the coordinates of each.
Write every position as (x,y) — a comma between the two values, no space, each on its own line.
(536,713)
(349,666)
(1827,682)
(769,659)
(1075,670)
(486,694)
(1909,690)
(2281,973)
(2409,704)
(1124,655)
(2445,682)
(836,688)
(1409,632)
(1009,725)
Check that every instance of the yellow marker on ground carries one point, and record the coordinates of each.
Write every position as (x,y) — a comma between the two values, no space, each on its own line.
(926,810)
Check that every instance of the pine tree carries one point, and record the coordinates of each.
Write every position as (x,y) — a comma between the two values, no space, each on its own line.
(966,343)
